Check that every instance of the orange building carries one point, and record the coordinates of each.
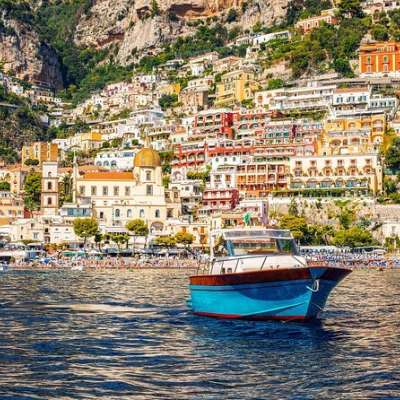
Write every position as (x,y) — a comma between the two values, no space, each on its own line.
(40,151)
(380,58)
(260,177)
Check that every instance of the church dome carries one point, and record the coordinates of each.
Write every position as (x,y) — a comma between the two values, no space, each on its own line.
(147,157)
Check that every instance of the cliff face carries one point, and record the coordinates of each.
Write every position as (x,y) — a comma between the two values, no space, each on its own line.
(125,27)
(140,24)
(23,54)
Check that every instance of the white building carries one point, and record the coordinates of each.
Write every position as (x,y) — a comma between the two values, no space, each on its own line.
(223,177)
(118,197)
(116,159)
(147,117)
(311,97)
(267,37)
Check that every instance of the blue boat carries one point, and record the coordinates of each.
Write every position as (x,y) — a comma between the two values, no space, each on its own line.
(261,277)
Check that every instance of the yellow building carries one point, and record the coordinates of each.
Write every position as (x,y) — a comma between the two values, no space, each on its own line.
(357,135)
(169,89)
(90,140)
(11,207)
(41,151)
(235,87)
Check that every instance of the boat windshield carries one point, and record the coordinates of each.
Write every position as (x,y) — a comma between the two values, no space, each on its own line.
(260,242)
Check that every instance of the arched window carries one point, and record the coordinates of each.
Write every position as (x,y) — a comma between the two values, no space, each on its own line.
(117,213)
(141,213)
(129,213)
(101,215)
(49,186)
(148,175)
(157,214)
(49,202)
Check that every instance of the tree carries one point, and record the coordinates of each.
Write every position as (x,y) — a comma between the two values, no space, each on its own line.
(31,162)
(155,9)
(32,189)
(165,241)
(351,8)
(119,239)
(232,15)
(392,156)
(296,225)
(380,32)
(275,84)
(138,227)
(167,101)
(346,215)
(293,208)
(353,237)
(98,238)
(5,186)
(184,238)
(85,228)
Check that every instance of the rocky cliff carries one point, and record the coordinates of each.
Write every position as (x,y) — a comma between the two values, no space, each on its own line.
(123,27)
(140,24)
(23,54)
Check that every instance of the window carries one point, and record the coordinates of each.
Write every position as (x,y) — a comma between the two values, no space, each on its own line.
(129,213)
(101,215)
(117,213)
(149,190)
(82,190)
(49,186)
(157,214)
(141,213)
(105,191)
(116,190)
(148,175)
(49,201)
(127,191)
(93,190)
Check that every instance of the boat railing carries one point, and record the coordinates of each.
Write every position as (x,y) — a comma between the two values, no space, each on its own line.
(231,264)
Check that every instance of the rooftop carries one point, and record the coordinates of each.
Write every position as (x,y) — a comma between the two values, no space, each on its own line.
(109,176)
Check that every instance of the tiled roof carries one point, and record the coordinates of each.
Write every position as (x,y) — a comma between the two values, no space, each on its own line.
(109,176)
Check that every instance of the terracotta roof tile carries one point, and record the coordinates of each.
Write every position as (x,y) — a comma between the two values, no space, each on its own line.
(109,176)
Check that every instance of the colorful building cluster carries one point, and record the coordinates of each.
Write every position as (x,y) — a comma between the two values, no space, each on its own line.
(227,145)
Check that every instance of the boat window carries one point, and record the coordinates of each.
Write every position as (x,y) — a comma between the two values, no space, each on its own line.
(229,270)
(263,246)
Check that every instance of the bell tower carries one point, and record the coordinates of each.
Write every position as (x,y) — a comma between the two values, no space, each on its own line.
(49,197)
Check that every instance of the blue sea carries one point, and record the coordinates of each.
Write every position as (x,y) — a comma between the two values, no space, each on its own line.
(129,335)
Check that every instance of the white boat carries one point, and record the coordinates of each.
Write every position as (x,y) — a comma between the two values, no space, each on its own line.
(77,268)
(3,267)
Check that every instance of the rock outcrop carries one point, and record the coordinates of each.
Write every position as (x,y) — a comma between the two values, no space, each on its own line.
(23,54)
(126,27)
(141,24)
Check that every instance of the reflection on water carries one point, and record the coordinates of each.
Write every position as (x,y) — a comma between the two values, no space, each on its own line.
(130,336)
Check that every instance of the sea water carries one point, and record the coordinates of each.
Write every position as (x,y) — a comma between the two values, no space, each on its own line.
(130,335)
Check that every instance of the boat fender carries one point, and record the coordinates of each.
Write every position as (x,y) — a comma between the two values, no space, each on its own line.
(315,286)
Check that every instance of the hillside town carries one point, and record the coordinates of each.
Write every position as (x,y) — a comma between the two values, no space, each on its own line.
(211,142)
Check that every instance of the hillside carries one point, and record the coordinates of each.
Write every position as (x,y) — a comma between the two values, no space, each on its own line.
(20,122)
(61,42)
(81,45)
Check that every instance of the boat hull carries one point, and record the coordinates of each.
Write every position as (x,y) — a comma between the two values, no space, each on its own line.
(287,294)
